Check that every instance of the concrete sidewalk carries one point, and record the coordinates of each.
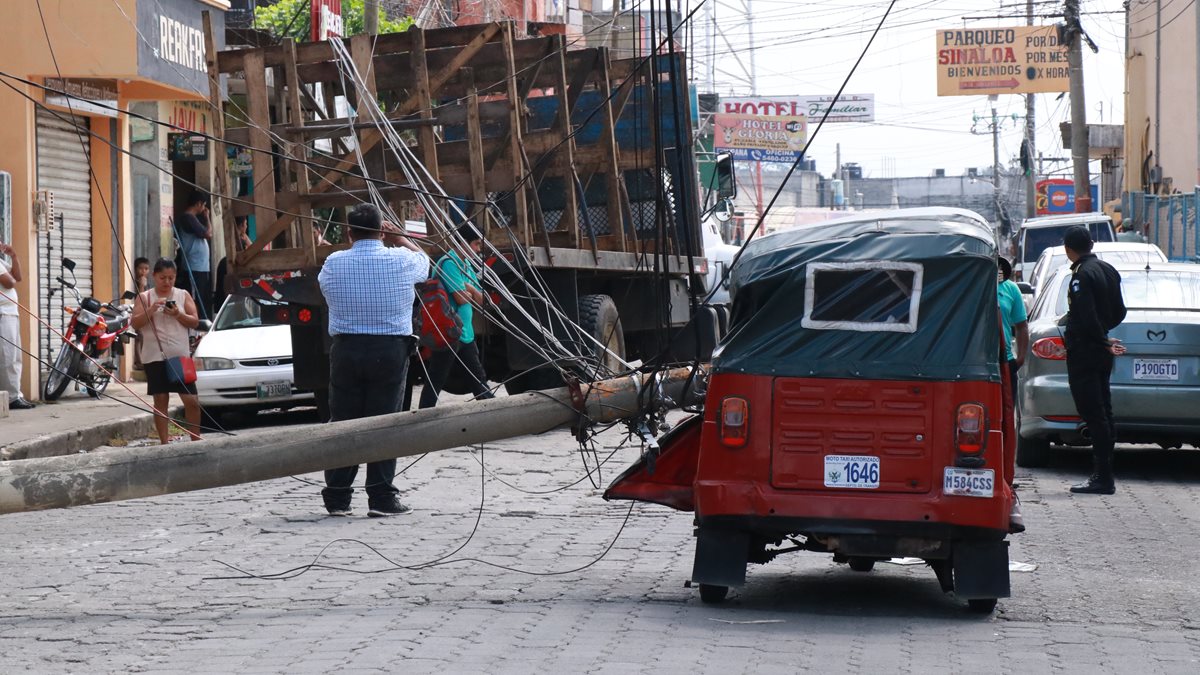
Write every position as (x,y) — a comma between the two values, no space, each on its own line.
(77,422)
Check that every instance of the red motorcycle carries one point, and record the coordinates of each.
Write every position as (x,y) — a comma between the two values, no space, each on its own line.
(86,355)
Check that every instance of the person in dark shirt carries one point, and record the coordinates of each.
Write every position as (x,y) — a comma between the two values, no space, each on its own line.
(194,233)
(1094,307)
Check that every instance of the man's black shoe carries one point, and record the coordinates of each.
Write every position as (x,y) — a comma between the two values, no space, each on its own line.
(1094,487)
(21,404)
(388,507)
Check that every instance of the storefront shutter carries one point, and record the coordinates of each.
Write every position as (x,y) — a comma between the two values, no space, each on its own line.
(62,169)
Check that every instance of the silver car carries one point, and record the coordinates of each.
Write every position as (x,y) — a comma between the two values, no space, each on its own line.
(1155,386)
(1112,252)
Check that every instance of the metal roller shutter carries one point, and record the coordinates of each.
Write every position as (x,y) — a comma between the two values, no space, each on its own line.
(62,168)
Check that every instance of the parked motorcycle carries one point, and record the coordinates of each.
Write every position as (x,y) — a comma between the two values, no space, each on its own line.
(86,355)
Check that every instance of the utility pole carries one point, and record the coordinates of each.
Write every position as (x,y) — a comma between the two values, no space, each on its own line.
(1030,131)
(371,17)
(1079,132)
(992,98)
(116,474)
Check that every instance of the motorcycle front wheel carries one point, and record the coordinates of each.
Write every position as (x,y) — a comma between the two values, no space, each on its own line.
(61,372)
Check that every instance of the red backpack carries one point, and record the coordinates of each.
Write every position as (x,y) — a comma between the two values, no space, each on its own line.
(435,320)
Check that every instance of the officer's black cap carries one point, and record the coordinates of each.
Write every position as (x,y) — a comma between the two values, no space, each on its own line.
(1078,238)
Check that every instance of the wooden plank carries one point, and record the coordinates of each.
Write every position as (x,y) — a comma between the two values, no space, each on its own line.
(571,209)
(516,101)
(612,173)
(217,117)
(261,162)
(583,74)
(371,138)
(426,139)
(305,240)
(479,191)
(394,74)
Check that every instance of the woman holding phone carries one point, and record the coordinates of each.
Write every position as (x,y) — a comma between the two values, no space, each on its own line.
(163,315)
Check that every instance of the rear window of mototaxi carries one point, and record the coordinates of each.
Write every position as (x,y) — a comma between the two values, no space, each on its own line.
(1034,240)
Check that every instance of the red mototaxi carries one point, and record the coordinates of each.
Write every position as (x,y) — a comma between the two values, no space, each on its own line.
(856,407)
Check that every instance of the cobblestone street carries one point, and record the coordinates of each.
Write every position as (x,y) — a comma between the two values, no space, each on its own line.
(135,587)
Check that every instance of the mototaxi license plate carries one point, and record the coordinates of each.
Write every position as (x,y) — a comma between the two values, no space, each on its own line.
(852,471)
(969,482)
(1156,369)
(274,389)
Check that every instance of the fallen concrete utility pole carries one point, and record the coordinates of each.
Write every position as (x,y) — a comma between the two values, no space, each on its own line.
(115,474)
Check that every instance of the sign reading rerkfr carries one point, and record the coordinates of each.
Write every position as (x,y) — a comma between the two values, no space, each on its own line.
(1018,60)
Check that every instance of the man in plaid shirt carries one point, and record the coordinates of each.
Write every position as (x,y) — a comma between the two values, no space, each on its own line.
(369,290)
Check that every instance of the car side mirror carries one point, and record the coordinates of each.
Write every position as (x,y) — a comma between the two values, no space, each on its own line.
(1026,289)
(204,326)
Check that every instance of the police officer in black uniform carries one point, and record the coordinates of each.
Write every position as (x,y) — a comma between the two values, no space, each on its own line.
(1095,307)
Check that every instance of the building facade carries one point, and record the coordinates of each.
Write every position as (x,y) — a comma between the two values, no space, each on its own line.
(1162,136)
(81,76)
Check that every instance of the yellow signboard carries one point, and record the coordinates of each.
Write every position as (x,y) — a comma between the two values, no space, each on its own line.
(1019,60)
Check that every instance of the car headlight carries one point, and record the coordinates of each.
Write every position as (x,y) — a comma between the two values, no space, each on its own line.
(213,363)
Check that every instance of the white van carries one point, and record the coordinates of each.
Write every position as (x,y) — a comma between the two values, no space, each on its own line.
(1039,234)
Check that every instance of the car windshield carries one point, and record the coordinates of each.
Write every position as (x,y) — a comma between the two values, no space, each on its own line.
(1038,239)
(1156,289)
(240,312)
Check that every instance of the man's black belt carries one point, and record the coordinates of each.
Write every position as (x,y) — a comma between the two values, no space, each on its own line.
(367,337)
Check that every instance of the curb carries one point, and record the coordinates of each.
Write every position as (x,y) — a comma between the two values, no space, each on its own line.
(83,440)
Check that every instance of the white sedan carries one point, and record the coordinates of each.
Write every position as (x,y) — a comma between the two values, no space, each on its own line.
(244,363)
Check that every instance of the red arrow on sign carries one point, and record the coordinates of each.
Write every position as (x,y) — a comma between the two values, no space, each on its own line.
(1010,83)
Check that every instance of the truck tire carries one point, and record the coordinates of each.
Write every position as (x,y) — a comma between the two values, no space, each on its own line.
(1032,453)
(599,318)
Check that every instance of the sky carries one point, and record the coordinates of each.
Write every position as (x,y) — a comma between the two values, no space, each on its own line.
(807,47)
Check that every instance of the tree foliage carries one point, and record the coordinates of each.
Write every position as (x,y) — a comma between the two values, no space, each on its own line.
(293,18)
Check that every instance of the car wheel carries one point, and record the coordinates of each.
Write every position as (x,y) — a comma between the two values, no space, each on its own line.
(1032,452)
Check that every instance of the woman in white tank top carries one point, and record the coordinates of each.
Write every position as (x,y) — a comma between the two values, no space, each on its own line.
(164,315)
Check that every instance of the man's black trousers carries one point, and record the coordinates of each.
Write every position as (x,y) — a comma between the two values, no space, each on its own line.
(1088,373)
(366,378)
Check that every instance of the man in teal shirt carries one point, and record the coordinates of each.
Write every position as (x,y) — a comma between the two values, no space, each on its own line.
(461,282)
(1014,319)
